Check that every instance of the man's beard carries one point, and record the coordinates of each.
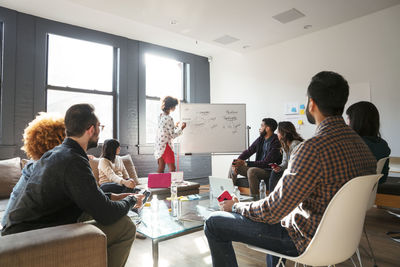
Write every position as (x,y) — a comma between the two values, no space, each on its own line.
(263,133)
(310,118)
(93,142)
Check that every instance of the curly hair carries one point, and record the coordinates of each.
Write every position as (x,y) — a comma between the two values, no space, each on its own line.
(45,132)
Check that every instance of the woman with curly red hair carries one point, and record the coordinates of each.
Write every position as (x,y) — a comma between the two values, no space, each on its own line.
(45,132)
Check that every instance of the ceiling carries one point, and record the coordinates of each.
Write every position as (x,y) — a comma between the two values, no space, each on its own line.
(249,21)
(182,23)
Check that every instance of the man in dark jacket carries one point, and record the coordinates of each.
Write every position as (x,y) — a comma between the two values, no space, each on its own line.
(61,189)
(267,148)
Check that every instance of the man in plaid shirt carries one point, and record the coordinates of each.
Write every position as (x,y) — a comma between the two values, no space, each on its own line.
(286,220)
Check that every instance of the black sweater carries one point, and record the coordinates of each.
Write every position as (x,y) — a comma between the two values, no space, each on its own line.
(61,186)
(380,149)
(273,154)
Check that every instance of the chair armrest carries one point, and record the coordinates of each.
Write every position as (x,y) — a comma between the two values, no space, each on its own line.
(77,244)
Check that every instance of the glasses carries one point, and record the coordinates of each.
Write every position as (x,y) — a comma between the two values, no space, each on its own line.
(101,126)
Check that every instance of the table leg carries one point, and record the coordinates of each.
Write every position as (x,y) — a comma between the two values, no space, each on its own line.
(155,252)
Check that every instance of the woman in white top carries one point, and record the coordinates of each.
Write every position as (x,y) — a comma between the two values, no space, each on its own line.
(113,177)
(289,139)
(166,131)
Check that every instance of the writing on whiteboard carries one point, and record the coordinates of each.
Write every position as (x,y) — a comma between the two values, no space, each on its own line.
(204,121)
(213,128)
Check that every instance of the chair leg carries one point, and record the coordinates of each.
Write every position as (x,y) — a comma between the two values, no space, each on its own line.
(370,248)
(351,258)
(359,256)
(280,262)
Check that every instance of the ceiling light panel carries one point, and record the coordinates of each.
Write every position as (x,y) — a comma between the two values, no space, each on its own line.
(226,39)
(288,16)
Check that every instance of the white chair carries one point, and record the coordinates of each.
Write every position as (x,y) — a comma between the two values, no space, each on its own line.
(339,232)
(379,169)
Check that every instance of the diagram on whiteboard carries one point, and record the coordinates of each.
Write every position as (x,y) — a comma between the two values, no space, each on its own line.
(213,128)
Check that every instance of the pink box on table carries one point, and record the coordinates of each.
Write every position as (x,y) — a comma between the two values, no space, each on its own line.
(159,180)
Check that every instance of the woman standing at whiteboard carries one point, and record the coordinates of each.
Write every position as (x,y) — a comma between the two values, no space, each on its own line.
(166,131)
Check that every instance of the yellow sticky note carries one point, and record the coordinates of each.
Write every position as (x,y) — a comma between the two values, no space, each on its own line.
(301,111)
(300,122)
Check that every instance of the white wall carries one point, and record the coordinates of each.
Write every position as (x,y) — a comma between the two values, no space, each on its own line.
(365,50)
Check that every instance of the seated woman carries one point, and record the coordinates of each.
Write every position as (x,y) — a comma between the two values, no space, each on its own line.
(363,118)
(113,177)
(45,132)
(289,139)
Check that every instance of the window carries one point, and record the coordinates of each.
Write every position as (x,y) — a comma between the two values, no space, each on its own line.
(164,77)
(82,72)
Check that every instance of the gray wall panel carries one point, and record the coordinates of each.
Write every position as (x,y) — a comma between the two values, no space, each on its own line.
(24,84)
(8,17)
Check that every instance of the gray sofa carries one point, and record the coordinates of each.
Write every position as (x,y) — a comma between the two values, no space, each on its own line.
(77,244)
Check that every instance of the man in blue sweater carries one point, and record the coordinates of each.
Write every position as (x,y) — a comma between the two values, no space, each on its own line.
(267,149)
(61,188)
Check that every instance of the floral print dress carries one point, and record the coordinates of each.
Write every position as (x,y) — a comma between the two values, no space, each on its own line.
(166,131)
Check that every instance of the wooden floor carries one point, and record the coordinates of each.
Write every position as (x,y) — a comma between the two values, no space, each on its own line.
(192,250)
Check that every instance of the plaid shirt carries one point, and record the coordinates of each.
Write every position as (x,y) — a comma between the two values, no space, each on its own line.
(317,169)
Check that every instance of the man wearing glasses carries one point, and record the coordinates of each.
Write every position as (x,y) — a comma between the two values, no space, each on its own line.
(62,189)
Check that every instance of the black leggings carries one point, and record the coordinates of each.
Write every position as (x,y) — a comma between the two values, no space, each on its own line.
(117,188)
(274,179)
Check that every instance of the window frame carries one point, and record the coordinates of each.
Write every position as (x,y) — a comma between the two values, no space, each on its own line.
(192,81)
(184,89)
(113,93)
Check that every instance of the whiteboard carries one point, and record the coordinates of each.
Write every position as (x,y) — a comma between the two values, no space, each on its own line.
(219,128)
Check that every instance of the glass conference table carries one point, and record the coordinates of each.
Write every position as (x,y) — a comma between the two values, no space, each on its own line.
(160,226)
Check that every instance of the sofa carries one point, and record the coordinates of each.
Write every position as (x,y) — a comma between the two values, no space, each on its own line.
(77,244)
(388,194)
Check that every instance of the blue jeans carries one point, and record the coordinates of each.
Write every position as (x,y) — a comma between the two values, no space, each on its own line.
(221,228)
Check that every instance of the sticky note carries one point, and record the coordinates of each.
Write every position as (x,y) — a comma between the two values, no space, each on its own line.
(301,111)
(302,106)
(293,109)
(300,122)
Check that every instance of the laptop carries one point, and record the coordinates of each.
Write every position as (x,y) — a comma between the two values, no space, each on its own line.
(219,185)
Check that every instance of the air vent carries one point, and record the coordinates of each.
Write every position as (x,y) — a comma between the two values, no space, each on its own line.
(288,16)
(226,39)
